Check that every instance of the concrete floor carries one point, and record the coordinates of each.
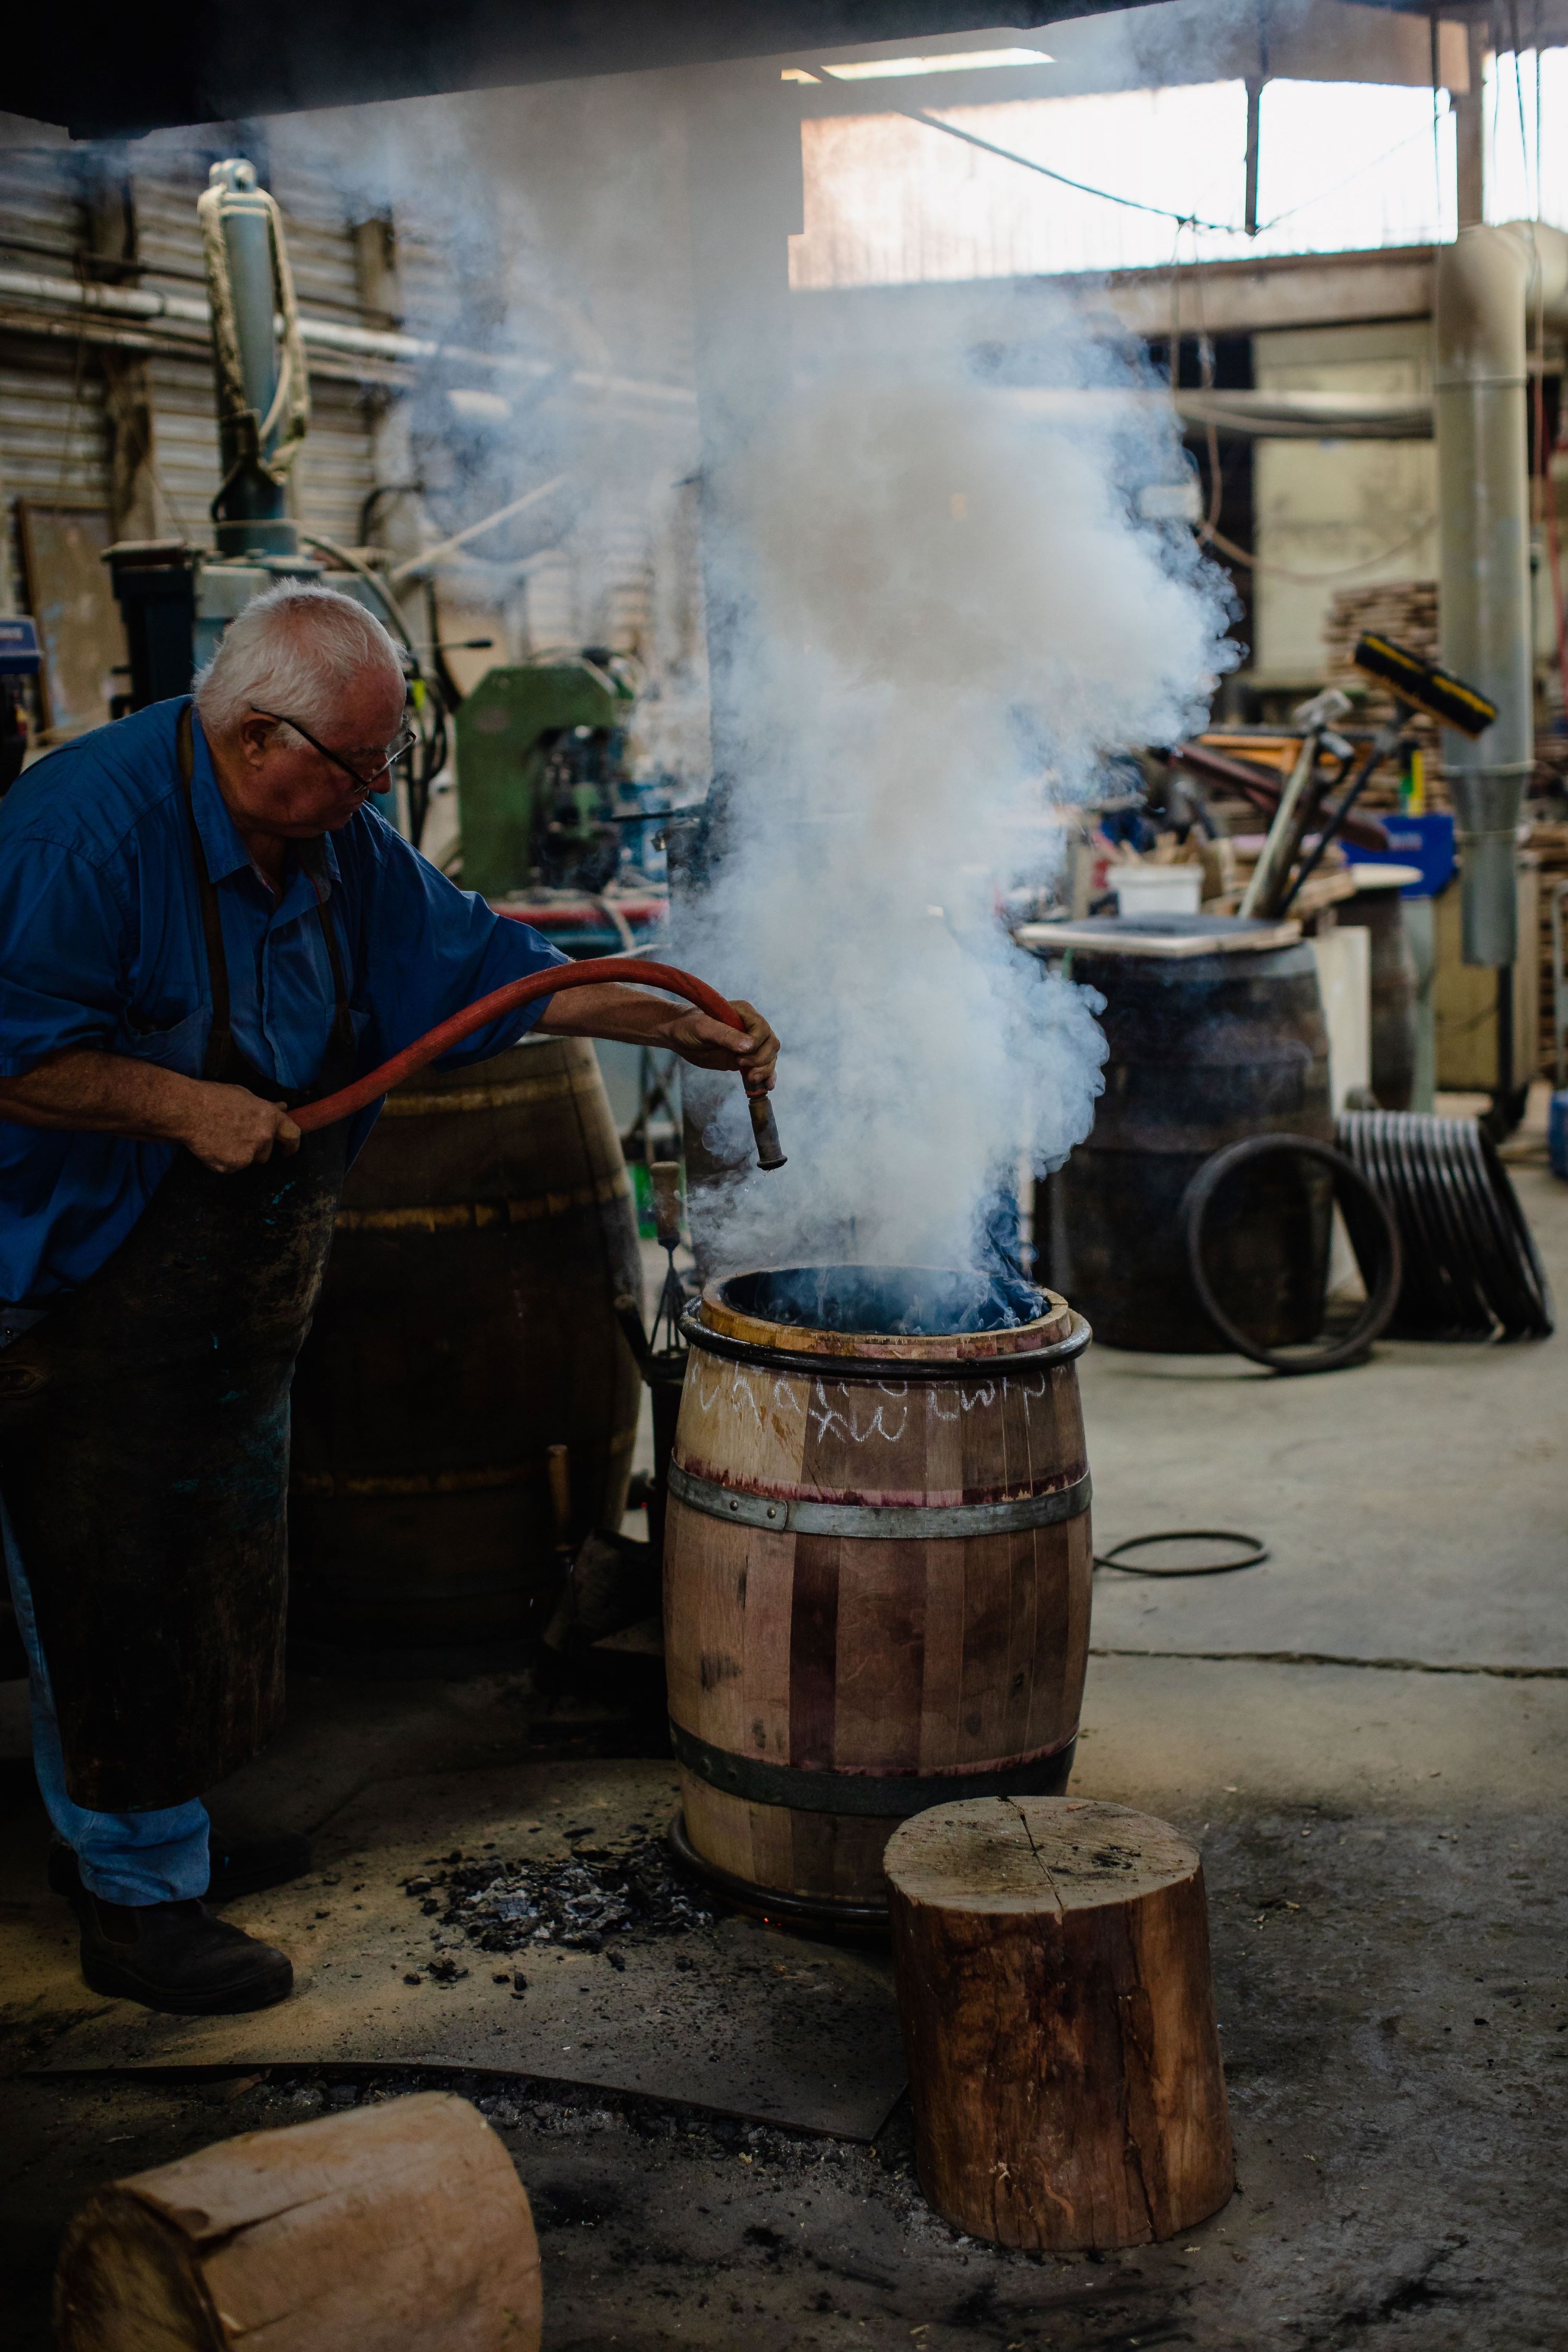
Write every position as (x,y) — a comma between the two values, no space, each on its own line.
(1367,1738)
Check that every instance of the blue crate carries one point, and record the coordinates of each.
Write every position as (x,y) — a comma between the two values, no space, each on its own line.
(19,647)
(1424,840)
(1557,1135)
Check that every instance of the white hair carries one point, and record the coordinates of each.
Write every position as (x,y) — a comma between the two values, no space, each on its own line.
(293,650)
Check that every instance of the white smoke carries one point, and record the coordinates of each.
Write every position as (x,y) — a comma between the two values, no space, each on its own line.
(948,611)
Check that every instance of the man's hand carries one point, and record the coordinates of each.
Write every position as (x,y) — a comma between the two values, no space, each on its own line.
(713,1046)
(229,1128)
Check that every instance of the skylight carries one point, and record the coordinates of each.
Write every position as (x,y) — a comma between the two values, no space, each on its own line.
(899,68)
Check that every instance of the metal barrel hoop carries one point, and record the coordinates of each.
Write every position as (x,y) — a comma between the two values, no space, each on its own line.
(893,1522)
(1384,1294)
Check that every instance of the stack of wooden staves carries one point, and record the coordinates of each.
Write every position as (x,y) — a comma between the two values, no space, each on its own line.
(1549,843)
(1406,611)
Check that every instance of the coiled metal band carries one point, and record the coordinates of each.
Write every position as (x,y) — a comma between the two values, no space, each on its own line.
(782,1515)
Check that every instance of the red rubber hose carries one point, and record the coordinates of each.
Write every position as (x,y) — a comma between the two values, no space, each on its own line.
(441,1040)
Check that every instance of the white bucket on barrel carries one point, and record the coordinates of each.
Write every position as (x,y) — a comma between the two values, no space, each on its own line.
(1157,890)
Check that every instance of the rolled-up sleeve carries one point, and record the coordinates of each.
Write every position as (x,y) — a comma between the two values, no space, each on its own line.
(62,952)
(430,950)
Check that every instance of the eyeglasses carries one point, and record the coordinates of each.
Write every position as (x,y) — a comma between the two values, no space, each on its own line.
(394,751)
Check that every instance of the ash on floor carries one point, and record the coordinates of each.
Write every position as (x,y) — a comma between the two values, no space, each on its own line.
(577,1901)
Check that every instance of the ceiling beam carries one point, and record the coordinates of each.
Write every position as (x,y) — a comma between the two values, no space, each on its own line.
(202,61)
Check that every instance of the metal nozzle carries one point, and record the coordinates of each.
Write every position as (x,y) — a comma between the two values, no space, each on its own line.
(664,1179)
(1324,709)
(558,1463)
(765,1127)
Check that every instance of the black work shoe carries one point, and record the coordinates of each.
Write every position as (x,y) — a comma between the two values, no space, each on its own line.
(237,1869)
(177,1956)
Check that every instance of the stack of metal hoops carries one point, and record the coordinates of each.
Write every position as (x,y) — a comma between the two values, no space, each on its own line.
(1470,1270)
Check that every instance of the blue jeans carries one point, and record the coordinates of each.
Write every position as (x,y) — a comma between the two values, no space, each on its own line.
(158,1857)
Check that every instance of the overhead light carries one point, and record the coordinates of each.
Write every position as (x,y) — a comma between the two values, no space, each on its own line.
(966,61)
(796,73)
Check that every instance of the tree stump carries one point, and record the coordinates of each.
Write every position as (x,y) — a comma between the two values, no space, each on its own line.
(400,2228)
(1053,1973)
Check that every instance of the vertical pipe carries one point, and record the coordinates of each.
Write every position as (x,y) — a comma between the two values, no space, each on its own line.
(246,290)
(1254,140)
(247,239)
(1470,136)
(1482,281)
(1495,289)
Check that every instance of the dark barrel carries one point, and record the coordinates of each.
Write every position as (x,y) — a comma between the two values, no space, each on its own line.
(1379,910)
(1207,1046)
(466,1326)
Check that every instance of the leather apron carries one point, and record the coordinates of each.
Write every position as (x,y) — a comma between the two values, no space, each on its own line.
(144,1443)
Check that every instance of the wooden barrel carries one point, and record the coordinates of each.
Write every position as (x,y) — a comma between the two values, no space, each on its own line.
(1379,910)
(877,1585)
(1206,1047)
(465,1326)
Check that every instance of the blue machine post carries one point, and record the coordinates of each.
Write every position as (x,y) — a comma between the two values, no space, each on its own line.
(19,659)
(261,409)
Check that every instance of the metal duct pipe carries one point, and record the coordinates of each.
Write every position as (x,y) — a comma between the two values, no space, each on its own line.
(182,310)
(1492,286)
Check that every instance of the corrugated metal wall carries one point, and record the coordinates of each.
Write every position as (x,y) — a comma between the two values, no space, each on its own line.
(40,205)
(186,443)
(52,438)
(130,425)
(336,470)
(54,441)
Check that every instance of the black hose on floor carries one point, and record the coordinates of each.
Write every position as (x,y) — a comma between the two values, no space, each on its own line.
(1253,1552)
(1470,1266)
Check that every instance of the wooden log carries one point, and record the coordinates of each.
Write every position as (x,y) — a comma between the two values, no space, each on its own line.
(1053,1974)
(400,2228)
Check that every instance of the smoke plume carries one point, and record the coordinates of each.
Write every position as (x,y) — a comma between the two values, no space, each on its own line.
(944,611)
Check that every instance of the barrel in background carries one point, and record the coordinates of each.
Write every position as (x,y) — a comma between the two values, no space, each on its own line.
(466,1325)
(826,1685)
(1203,1050)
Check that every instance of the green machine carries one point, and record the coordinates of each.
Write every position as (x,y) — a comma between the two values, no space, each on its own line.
(541,778)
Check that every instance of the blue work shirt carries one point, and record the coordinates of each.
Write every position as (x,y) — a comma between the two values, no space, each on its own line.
(102,944)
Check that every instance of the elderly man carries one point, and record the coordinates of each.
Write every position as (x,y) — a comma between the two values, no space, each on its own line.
(201,926)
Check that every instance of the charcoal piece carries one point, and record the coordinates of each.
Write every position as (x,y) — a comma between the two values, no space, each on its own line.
(577,1901)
